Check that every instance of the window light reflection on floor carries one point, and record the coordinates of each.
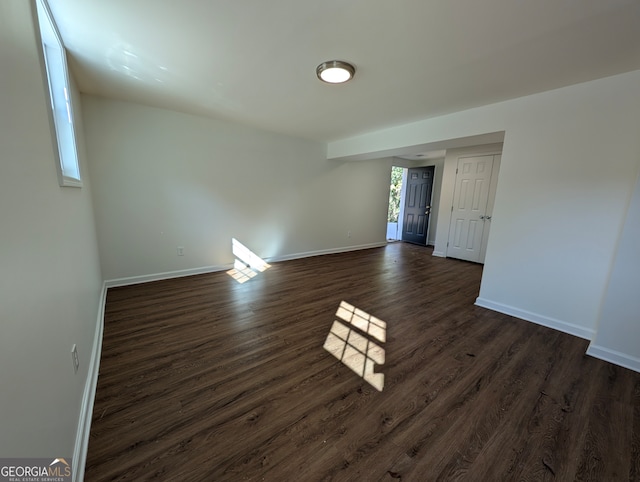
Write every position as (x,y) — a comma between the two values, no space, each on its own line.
(247,264)
(357,348)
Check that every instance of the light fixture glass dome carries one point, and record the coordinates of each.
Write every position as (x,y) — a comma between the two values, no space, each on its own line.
(335,71)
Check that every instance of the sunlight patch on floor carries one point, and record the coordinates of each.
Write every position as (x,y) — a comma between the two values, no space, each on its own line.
(352,342)
(247,264)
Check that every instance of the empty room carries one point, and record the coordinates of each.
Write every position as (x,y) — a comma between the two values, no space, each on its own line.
(356,241)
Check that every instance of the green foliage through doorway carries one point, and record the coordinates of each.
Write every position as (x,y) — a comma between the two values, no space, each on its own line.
(394,194)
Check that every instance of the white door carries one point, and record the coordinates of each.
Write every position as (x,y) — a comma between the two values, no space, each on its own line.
(469,210)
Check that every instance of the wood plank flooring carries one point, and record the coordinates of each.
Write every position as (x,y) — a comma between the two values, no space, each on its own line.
(207,379)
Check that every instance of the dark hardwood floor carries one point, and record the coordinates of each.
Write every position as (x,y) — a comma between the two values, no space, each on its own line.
(204,378)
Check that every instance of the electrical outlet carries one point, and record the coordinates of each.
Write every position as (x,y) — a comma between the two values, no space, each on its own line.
(180,250)
(74,358)
(348,234)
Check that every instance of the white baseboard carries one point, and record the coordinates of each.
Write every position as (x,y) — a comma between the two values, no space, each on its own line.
(615,357)
(559,325)
(309,254)
(439,254)
(89,394)
(133,280)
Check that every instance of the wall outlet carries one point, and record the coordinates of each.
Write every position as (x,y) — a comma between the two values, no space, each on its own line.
(348,234)
(180,250)
(74,358)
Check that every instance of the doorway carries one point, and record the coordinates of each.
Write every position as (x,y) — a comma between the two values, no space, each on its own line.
(398,194)
(396,198)
(417,205)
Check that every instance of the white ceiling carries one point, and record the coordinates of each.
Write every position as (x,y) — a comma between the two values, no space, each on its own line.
(254,61)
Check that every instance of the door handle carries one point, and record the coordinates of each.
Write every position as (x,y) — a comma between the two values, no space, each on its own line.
(482,217)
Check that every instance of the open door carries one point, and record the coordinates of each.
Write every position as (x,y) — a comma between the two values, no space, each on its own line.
(417,206)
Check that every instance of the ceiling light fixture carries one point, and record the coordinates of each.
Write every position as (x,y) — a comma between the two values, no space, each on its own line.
(335,71)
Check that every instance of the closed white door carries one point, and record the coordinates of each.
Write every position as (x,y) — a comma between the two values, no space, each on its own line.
(469,210)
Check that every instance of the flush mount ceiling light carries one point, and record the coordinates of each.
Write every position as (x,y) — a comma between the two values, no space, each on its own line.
(335,71)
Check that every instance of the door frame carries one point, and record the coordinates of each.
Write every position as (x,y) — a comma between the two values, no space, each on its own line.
(428,202)
(398,235)
(438,164)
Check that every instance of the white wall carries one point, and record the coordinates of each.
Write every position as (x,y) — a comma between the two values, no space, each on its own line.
(163,179)
(569,162)
(50,281)
(618,331)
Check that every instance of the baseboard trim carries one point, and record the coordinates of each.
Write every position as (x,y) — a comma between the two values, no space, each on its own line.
(439,254)
(89,394)
(147,278)
(134,280)
(559,325)
(321,252)
(615,357)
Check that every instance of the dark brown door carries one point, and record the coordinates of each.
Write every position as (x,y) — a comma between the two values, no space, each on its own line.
(417,204)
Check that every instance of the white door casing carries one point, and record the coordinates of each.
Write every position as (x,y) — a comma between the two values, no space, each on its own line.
(470,217)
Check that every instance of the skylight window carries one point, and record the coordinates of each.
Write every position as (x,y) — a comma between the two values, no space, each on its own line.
(60,95)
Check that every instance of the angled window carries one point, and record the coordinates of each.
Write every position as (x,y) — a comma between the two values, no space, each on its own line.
(61,107)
